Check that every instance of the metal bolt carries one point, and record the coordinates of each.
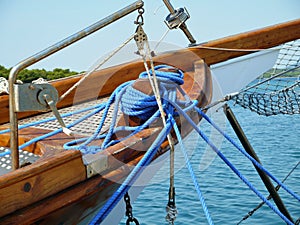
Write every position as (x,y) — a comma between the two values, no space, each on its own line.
(27,187)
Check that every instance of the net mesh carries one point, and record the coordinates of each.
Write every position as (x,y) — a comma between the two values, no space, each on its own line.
(278,90)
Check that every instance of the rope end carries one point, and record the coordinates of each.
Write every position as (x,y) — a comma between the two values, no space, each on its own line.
(67,131)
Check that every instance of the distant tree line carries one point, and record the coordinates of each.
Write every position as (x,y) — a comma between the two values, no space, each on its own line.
(292,73)
(28,75)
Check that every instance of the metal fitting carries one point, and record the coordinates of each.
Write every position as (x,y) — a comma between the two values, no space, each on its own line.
(176,19)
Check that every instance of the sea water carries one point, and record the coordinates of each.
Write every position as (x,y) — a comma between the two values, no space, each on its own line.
(276,142)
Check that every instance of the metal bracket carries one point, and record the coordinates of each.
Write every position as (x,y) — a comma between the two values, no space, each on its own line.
(179,17)
(31,97)
(95,164)
(38,97)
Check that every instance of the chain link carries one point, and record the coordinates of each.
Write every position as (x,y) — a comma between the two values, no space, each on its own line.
(128,212)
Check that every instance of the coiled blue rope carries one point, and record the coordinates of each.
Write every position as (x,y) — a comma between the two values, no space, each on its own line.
(166,77)
(133,103)
(137,103)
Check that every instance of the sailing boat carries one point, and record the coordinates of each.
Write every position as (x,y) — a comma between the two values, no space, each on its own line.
(65,173)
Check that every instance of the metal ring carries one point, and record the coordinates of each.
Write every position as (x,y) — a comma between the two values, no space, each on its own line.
(141,10)
(129,220)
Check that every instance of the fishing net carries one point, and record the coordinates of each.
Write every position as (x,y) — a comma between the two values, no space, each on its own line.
(278,90)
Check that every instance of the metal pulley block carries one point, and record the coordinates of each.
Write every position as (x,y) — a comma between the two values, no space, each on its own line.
(140,39)
(38,97)
(176,19)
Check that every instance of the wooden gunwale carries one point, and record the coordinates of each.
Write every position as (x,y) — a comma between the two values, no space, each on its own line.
(258,39)
(71,161)
(53,174)
(91,188)
(42,175)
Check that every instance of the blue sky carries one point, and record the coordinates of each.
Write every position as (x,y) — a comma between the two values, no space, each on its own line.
(29,26)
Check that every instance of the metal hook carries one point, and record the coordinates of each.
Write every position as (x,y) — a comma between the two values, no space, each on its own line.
(140,19)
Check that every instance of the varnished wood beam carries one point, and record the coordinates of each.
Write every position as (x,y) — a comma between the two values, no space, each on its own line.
(103,82)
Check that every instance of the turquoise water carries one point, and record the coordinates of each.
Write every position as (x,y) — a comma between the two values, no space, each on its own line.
(276,142)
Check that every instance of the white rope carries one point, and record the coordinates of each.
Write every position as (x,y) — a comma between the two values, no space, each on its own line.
(171,214)
(161,39)
(236,49)
(152,79)
(154,84)
(96,67)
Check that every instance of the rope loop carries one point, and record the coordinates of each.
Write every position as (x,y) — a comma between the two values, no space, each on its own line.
(143,106)
(164,76)
(132,102)
(137,103)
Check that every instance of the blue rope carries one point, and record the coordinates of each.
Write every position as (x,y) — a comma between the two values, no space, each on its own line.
(247,155)
(52,133)
(196,184)
(147,158)
(133,103)
(230,165)
(134,130)
(136,103)
(169,99)
(35,123)
(5,153)
(102,121)
(166,77)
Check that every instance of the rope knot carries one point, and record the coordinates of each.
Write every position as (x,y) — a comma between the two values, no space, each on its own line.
(171,214)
